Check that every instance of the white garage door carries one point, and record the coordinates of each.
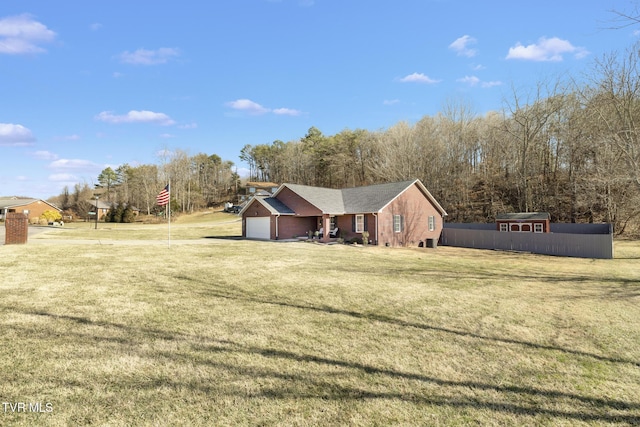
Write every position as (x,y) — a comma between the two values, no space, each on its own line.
(259,228)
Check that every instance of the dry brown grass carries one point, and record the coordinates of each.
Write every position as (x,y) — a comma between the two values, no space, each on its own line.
(260,333)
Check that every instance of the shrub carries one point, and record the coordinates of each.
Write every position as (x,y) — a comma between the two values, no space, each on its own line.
(365,238)
(50,216)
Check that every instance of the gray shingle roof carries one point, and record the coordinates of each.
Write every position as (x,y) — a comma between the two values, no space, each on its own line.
(8,202)
(523,215)
(274,205)
(328,200)
(371,198)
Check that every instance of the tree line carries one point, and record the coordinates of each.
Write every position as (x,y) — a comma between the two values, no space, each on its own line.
(196,182)
(568,148)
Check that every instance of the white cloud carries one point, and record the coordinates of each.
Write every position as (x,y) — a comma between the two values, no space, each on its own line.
(45,155)
(21,34)
(15,135)
(418,78)
(75,164)
(73,137)
(491,84)
(188,126)
(390,101)
(461,46)
(250,107)
(134,116)
(546,49)
(470,80)
(286,112)
(166,135)
(149,57)
(475,81)
(96,26)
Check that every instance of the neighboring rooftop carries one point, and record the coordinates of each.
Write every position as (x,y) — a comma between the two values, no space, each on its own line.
(523,216)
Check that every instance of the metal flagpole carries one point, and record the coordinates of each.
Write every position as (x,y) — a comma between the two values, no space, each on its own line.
(169,212)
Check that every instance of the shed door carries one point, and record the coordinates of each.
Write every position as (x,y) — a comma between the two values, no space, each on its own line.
(259,228)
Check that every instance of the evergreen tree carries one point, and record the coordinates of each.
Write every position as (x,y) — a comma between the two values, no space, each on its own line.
(110,216)
(119,211)
(127,214)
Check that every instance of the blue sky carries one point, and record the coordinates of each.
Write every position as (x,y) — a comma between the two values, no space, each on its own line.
(90,84)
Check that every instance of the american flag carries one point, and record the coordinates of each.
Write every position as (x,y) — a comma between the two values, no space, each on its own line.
(163,197)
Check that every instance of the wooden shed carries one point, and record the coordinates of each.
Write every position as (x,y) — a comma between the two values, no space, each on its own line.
(524,222)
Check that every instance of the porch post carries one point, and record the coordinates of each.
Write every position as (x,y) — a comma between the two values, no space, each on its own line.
(326,224)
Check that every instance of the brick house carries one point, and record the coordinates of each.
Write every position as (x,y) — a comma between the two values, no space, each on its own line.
(394,214)
(524,222)
(33,208)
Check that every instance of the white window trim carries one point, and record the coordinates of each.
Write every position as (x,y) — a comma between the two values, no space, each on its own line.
(359,223)
(538,228)
(432,222)
(504,227)
(397,223)
(520,225)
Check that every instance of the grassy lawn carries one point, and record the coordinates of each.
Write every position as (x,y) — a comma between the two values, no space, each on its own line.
(264,333)
(197,226)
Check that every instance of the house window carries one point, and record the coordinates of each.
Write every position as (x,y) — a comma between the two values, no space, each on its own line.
(397,223)
(359,223)
(432,222)
(537,228)
(504,227)
(252,189)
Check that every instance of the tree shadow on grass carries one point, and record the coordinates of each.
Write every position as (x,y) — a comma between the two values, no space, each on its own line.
(399,322)
(202,350)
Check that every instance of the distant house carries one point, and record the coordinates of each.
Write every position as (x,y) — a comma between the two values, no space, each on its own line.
(33,208)
(104,207)
(524,222)
(258,188)
(395,214)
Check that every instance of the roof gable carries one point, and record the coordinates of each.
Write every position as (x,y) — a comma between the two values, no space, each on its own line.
(327,200)
(372,198)
(368,199)
(273,205)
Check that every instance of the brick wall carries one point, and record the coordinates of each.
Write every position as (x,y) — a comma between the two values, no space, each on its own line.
(17,227)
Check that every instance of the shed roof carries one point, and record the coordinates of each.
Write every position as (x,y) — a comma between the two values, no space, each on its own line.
(523,215)
(261,184)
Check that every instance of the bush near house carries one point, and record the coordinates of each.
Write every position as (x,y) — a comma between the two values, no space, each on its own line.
(50,216)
